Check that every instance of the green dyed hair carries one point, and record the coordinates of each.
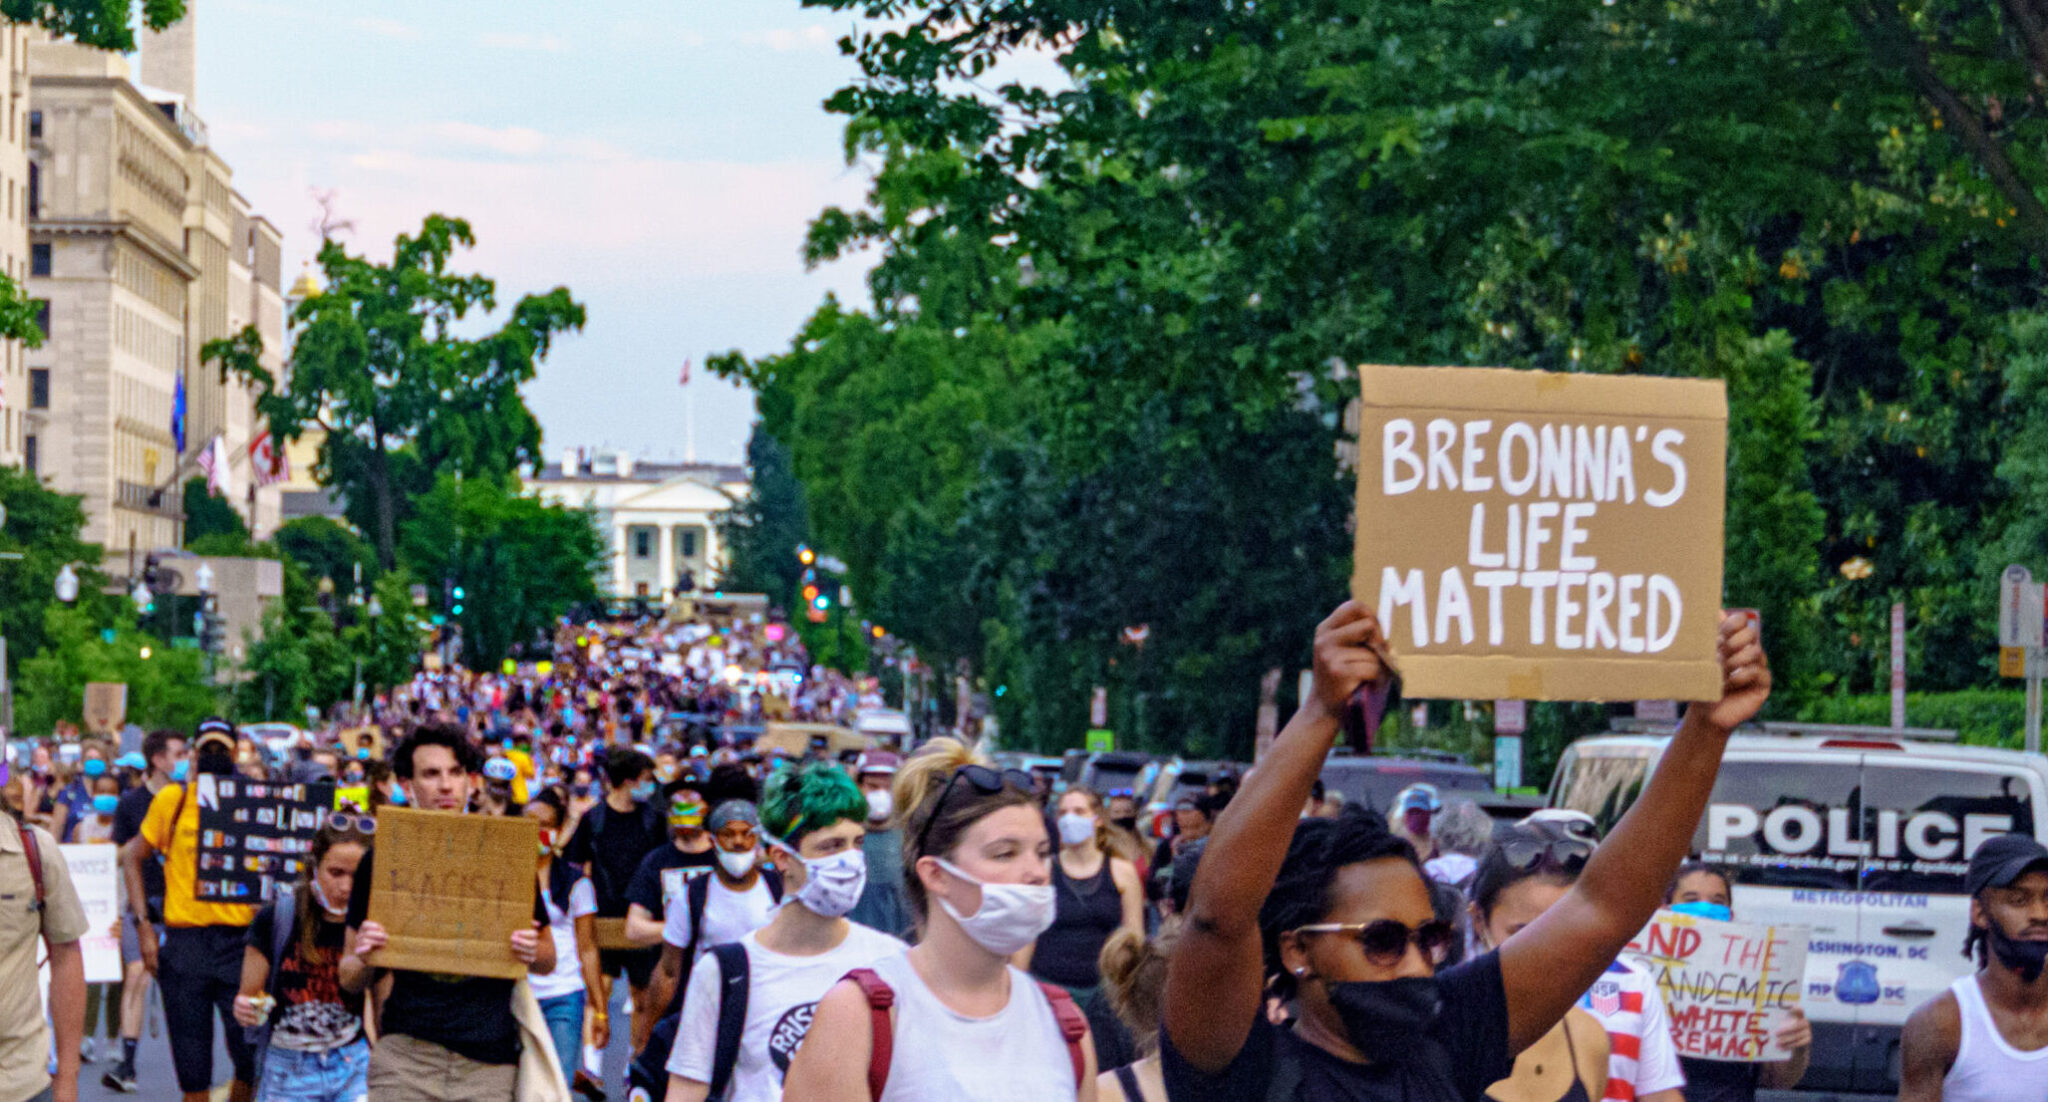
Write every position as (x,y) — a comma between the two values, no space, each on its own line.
(810,797)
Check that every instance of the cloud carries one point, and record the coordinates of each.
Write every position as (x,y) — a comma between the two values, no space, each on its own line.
(500,40)
(388,28)
(784,40)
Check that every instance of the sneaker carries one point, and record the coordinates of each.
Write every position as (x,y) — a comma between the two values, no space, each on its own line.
(120,1079)
(87,1049)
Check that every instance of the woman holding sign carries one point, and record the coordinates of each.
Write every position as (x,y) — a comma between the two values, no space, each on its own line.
(1335,915)
(1703,891)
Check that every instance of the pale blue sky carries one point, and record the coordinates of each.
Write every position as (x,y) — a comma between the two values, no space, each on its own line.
(660,157)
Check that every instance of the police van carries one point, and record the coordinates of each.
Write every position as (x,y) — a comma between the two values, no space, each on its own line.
(1859,835)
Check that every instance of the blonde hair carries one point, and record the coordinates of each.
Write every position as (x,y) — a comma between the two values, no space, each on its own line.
(928,829)
(1134,980)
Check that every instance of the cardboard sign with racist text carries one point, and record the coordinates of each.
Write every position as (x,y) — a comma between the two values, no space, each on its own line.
(1727,985)
(254,836)
(451,889)
(1535,536)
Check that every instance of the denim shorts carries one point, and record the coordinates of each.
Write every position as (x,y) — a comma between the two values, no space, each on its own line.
(338,1075)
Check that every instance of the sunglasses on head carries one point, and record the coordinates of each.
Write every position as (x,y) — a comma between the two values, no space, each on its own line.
(1386,941)
(1525,853)
(1115,792)
(985,780)
(361,824)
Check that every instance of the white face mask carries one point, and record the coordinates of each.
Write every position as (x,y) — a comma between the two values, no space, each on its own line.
(1011,915)
(1077,829)
(832,885)
(737,865)
(880,804)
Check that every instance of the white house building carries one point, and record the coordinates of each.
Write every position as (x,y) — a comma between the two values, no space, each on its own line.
(661,518)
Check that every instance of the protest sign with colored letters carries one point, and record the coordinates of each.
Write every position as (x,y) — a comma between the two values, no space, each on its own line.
(93,870)
(253,835)
(1727,985)
(1536,536)
(450,890)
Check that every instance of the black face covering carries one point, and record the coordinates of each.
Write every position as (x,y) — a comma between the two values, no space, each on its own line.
(1385,1019)
(1130,824)
(214,760)
(2023,957)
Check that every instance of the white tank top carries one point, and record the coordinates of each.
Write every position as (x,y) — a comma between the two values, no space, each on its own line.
(1017,1055)
(1986,1068)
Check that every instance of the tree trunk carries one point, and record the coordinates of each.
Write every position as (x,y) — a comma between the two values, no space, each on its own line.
(385,508)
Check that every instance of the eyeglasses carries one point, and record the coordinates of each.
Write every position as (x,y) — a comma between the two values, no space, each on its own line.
(1386,941)
(1115,792)
(361,824)
(986,781)
(1525,853)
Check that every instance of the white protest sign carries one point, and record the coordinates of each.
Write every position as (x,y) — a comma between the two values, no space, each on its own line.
(94,869)
(1727,985)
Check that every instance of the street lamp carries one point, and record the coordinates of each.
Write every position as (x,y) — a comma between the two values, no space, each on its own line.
(67,584)
(203,578)
(142,597)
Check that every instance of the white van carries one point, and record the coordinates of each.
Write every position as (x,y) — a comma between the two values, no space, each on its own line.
(1862,839)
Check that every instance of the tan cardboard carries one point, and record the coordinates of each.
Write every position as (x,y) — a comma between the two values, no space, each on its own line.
(451,889)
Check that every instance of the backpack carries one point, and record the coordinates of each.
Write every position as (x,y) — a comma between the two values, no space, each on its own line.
(881,997)
(283,923)
(650,1068)
(33,850)
(696,894)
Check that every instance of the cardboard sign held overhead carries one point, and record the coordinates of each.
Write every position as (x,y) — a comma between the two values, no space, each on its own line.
(106,706)
(1538,536)
(451,889)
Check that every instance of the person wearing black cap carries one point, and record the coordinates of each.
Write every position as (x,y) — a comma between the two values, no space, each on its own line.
(1986,1037)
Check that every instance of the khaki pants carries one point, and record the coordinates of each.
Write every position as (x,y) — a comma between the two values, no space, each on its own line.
(407,1069)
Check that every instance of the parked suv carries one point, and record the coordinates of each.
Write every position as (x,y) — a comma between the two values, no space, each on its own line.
(1372,781)
(1860,837)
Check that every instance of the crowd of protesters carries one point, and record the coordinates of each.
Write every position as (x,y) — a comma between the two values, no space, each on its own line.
(901,926)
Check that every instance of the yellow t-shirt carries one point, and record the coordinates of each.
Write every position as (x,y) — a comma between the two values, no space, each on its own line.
(181,864)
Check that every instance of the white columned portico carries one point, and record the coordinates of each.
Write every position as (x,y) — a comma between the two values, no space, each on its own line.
(665,574)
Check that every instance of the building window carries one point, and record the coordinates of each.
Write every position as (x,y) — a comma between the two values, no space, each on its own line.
(688,537)
(35,125)
(35,190)
(39,259)
(28,453)
(43,316)
(39,388)
(643,543)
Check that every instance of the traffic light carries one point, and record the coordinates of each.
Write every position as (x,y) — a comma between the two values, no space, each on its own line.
(805,555)
(821,602)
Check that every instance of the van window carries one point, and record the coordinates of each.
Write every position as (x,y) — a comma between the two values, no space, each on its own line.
(1603,786)
(1785,824)
(1941,814)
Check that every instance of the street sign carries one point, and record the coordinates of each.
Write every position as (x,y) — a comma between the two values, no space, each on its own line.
(1510,717)
(1657,711)
(2012,661)
(1507,762)
(1419,715)
(1098,707)
(2020,609)
(1898,664)
(1101,741)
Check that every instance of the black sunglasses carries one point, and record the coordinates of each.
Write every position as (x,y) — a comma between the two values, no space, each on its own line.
(985,780)
(1386,941)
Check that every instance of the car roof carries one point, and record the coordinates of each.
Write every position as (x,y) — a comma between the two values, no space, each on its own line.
(1819,746)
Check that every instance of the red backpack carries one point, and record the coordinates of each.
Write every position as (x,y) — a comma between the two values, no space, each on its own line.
(881,997)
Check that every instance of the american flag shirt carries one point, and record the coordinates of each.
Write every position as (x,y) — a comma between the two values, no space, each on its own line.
(1644,1060)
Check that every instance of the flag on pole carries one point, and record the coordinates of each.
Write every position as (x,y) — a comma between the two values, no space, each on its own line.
(178,414)
(267,464)
(685,380)
(223,469)
(206,459)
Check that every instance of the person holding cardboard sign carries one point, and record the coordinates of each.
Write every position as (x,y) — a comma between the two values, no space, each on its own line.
(447,1038)
(1336,913)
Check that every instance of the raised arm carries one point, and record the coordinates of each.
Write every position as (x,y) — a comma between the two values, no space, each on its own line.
(1215,982)
(1547,966)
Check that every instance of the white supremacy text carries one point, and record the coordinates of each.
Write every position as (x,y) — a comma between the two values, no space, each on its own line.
(1543,546)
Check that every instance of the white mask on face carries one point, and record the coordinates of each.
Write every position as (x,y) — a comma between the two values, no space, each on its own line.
(832,885)
(737,865)
(1011,915)
(880,804)
(1077,829)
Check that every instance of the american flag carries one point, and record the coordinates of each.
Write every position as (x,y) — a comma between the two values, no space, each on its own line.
(269,465)
(213,462)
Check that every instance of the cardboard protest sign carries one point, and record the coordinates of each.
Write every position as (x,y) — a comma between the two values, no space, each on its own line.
(356,739)
(1727,985)
(450,890)
(106,706)
(94,871)
(1534,536)
(610,933)
(253,835)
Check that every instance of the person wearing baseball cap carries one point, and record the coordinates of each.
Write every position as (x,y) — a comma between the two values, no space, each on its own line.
(882,905)
(739,897)
(1986,1037)
(199,964)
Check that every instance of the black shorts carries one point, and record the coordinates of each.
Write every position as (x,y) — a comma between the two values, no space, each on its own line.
(199,970)
(638,964)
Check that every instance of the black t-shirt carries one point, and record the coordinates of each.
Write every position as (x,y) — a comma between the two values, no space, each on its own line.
(612,844)
(1466,1052)
(128,816)
(313,1013)
(653,887)
(1719,1080)
(467,1015)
